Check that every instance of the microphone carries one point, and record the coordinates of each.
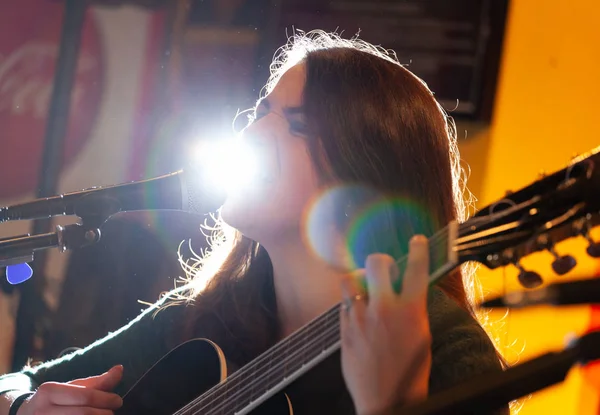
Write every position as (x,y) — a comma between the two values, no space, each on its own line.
(580,292)
(187,190)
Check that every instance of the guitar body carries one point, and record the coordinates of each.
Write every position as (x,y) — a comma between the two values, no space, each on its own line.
(182,375)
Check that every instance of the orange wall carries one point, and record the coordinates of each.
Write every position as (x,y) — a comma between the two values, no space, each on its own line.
(546,111)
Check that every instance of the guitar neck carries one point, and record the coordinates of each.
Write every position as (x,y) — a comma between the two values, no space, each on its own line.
(295,355)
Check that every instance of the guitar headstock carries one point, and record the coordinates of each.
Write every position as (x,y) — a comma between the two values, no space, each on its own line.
(560,206)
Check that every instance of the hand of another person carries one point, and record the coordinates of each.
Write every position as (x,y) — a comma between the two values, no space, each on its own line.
(89,396)
(386,356)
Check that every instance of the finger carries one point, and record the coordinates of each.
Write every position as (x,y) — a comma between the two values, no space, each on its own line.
(104,382)
(352,312)
(416,276)
(344,314)
(381,271)
(64,394)
(76,410)
(351,306)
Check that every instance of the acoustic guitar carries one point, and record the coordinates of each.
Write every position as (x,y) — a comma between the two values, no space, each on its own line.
(559,206)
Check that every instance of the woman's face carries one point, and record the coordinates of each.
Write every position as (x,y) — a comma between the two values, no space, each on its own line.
(274,205)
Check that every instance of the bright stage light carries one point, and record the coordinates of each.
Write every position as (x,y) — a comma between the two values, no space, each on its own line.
(228,164)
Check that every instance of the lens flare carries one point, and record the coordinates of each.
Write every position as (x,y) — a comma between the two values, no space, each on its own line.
(347,223)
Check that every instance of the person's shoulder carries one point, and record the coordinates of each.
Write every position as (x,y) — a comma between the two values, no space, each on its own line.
(171,306)
(460,346)
(446,315)
(162,316)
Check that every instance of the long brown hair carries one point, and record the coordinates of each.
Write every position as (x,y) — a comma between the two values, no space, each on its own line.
(373,123)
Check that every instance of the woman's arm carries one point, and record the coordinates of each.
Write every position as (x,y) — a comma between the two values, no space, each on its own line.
(461,349)
(136,346)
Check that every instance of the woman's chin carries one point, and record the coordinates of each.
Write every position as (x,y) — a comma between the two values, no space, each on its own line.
(230,213)
(240,215)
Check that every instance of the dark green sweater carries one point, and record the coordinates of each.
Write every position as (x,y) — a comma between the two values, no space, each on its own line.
(461,349)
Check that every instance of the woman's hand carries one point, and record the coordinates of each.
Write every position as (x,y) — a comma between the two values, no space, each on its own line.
(386,356)
(89,396)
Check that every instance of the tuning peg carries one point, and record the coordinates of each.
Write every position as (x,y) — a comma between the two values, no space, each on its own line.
(561,264)
(593,248)
(528,279)
(582,227)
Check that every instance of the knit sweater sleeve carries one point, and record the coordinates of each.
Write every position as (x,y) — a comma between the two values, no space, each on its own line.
(136,346)
(461,350)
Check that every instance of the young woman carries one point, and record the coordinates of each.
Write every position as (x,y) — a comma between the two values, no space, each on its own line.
(359,158)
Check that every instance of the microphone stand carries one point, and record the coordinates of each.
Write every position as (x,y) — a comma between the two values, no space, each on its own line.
(490,392)
(21,249)
(93,210)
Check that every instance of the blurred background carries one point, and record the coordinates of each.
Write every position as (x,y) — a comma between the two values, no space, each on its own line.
(147,79)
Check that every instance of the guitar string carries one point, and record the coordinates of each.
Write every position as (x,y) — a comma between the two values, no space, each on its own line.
(271,355)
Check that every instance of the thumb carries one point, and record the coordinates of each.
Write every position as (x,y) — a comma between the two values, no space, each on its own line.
(104,382)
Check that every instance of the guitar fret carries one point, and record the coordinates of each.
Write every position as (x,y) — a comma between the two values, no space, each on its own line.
(303,354)
(270,377)
(323,341)
(252,388)
(285,367)
(224,392)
